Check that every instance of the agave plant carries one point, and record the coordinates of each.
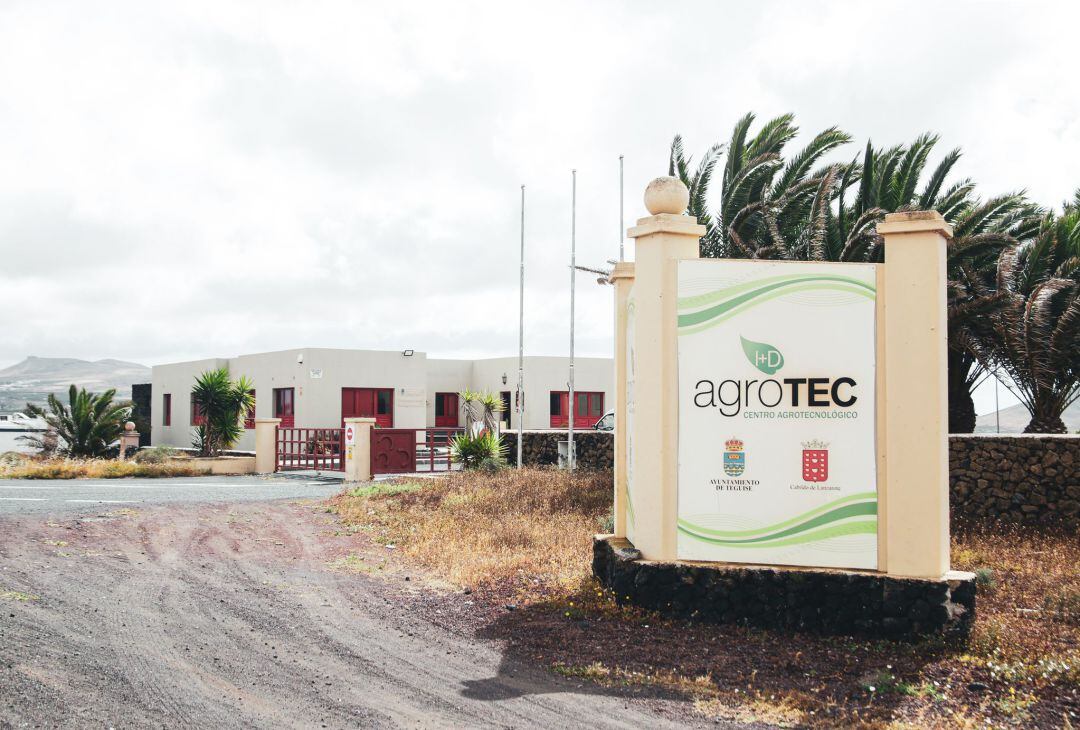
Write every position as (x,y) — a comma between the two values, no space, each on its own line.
(473,450)
(222,403)
(1034,337)
(88,426)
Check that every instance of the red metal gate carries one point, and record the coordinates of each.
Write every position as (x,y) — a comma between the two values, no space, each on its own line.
(310,449)
(405,450)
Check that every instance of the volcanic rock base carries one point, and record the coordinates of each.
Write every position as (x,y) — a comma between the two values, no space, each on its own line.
(820,601)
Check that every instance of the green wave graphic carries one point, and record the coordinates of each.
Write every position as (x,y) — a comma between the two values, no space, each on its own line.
(857,497)
(721,316)
(700,300)
(862,527)
(859,509)
(704,315)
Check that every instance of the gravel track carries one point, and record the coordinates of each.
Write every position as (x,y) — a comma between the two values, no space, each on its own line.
(229,616)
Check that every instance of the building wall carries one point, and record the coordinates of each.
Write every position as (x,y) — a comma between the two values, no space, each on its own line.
(543,375)
(317,381)
(176,379)
(447,376)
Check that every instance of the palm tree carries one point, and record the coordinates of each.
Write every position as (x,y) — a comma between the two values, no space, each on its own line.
(1035,335)
(761,196)
(88,426)
(787,210)
(222,404)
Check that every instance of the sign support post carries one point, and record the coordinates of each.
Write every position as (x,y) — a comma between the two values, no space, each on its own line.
(623,278)
(661,240)
(915,488)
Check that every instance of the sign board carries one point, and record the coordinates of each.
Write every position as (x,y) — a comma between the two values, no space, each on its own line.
(777,448)
(315,373)
(411,398)
(350,435)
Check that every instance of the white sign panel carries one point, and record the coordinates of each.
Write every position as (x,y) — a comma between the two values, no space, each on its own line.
(777,452)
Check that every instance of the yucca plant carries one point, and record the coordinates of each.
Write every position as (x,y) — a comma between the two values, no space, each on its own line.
(482,409)
(223,403)
(88,426)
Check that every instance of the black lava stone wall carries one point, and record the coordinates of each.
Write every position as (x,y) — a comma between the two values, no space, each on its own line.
(830,602)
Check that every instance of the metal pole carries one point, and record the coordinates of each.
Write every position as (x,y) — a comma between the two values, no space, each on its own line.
(573,272)
(997,408)
(521,337)
(622,227)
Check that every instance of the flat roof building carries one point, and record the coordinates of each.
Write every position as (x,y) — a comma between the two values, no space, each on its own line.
(319,387)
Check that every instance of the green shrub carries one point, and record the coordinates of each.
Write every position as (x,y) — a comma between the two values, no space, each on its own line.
(985,577)
(471,451)
(155,455)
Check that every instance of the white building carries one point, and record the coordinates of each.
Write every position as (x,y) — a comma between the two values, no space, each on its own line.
(317,388)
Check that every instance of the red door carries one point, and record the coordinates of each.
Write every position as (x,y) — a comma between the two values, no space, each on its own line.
(446,410)
(560,411)
(284,406)
(377,403)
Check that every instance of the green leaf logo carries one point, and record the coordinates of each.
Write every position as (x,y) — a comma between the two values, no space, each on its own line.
(765,358)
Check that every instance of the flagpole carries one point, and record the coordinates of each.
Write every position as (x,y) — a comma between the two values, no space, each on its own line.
(573,271)
(521,337)
(622,227)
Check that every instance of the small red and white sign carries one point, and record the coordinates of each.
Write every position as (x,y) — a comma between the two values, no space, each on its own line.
(350,435)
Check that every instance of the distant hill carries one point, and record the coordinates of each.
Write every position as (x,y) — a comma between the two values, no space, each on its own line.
(1015,418)
(35,377)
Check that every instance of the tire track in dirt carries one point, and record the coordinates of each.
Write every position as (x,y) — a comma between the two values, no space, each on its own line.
(227,616)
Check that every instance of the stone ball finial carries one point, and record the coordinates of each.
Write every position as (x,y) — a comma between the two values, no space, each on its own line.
(129,426)
(666,195)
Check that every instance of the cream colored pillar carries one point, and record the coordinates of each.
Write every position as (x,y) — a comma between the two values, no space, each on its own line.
(129,440)
(623,279)
(915,398)
(662,239)
(358,449)
(266,445)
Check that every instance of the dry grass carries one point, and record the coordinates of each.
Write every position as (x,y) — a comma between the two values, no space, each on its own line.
(528,527)
(526,536)
(37,468)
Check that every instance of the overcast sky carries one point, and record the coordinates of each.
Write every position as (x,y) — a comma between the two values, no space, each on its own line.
(210,179)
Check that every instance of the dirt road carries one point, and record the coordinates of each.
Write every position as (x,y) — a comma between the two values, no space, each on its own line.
(234,616)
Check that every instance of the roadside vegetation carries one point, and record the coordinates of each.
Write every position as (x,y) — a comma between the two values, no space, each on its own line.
(522,540)
(22,466)
(1013,265)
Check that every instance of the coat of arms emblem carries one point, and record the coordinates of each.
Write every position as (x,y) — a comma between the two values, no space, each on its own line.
(734,457)
(815,461)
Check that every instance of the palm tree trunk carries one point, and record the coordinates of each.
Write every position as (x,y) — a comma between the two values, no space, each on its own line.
(1045,424)
(961,404)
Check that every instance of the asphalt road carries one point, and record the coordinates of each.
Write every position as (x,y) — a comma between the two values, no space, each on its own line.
(31,496)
